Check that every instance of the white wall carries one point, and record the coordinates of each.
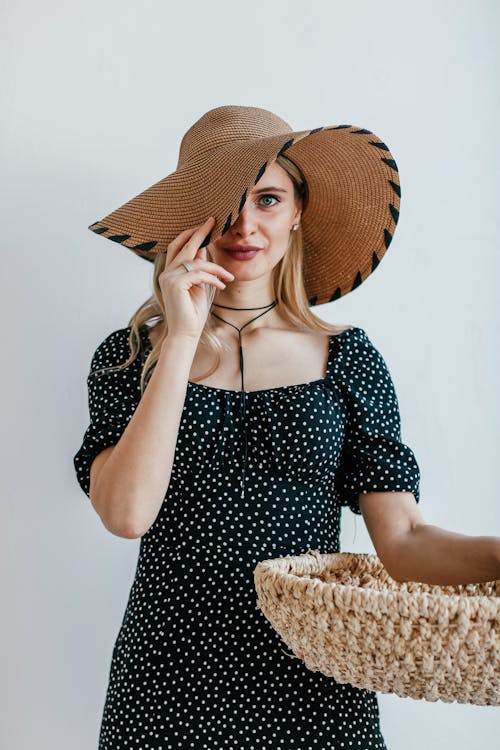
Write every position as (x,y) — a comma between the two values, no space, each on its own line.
(96,98)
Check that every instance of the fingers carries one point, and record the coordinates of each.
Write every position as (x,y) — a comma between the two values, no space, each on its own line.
(198,275)
(190,238)
(186,246)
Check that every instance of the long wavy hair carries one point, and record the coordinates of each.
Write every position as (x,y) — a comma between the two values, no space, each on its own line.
(288,285)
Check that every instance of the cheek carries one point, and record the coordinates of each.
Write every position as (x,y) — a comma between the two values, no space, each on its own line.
(279,223)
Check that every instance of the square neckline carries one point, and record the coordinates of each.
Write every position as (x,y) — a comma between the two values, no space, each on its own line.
(144,329)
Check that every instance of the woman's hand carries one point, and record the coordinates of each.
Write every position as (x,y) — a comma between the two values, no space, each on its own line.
(184,296)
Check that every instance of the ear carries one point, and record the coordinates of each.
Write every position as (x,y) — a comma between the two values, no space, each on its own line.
(298,213)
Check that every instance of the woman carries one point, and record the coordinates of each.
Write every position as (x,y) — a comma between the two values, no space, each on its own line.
(222,440)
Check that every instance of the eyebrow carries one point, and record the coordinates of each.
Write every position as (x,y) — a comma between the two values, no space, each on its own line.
(269,189)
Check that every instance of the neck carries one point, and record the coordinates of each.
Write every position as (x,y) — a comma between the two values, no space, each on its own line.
(261,309)
(245,321)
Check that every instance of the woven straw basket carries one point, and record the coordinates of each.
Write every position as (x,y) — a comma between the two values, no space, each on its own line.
(344,616)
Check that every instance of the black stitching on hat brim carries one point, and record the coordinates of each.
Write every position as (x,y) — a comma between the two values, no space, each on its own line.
(227,224)
(336,295)
(396,188)
(364,131)
(394,211)
(285,147)
(207,239)
(391,163)
(260,172)
(380,144)
(375,260)
(145,245)
(243,200)
(119,237)
(358,280)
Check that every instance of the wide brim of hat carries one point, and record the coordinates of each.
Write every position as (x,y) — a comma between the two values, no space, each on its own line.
(347,225)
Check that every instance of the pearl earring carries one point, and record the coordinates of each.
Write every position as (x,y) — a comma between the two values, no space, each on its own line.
(295,227)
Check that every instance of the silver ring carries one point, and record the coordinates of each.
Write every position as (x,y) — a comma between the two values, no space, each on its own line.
(187,265)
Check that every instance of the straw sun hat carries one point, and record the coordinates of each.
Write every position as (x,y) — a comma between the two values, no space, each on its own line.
(353,193)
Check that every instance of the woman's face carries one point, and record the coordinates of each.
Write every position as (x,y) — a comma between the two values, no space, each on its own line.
(265,222)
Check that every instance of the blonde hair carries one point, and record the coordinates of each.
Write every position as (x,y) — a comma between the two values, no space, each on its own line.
(288,285)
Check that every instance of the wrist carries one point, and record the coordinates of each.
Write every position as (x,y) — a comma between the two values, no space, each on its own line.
(180,339)
(179,345)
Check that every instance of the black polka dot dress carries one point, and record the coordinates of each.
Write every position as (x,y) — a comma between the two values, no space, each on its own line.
(196,664)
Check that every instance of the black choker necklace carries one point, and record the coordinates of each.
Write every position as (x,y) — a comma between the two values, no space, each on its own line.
(242,393)
(227,307)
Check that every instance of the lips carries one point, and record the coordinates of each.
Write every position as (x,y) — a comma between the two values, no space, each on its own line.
(243,248)
(242,253)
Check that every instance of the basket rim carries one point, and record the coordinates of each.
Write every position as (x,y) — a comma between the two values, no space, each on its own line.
(464,602)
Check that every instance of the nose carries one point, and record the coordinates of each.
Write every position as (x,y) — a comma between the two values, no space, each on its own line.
(245,224)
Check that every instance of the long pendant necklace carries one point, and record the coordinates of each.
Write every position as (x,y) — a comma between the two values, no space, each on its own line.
(242,392)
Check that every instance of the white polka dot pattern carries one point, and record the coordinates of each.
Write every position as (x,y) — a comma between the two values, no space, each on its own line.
(196,664)
(374,458)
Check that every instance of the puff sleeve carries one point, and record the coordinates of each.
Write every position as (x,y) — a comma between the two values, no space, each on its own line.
(112,399)
(373,457)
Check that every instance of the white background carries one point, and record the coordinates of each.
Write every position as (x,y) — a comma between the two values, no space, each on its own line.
(96,97)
